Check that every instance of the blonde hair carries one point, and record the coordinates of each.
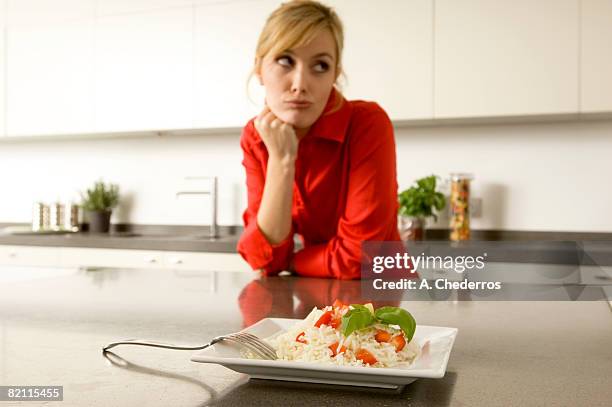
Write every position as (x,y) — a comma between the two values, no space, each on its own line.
(295,24)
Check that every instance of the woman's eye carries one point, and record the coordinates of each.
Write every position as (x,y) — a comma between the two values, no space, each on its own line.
(322,66)
(284,60)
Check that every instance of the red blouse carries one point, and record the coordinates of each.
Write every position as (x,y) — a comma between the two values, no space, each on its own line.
(345,192)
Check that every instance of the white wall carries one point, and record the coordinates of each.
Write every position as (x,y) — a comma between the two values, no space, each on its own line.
(530,176)
(550,177)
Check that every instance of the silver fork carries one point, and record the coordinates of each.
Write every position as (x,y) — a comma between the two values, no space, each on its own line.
(256,345)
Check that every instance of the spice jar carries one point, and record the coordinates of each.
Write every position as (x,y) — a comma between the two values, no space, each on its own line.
(40,217)
(72,219)
(57,216)
(460,206)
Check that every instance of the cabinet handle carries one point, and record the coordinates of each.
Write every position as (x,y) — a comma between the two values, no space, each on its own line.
(176,261)
(151,260)
(12,255)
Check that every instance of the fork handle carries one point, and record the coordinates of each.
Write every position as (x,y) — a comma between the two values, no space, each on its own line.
(156,345)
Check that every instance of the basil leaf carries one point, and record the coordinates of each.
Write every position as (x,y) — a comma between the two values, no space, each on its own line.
(398,316)
(356,319)
(360,307)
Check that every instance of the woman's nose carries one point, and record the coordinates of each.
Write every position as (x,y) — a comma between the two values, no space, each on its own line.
(299,82)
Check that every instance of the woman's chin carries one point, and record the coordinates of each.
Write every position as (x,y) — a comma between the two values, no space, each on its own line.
(297,120)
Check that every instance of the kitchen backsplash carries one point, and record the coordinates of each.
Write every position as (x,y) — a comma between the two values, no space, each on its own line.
(547,176)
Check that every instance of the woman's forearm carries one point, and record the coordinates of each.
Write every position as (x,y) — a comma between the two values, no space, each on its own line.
(274,215)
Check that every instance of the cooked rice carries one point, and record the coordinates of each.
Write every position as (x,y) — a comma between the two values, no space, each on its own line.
(319,339)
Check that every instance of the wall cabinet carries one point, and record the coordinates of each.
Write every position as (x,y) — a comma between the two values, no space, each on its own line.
(224,57)
(388,56)
(2,72)
(49,67)
(114,7)
(596,53)
(497,58)
(144,71)
(50,76)
(83,66)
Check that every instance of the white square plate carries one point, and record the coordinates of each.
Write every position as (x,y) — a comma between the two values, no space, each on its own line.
(436,342)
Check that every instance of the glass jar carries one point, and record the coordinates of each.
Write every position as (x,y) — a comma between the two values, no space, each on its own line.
(411,228)
(460,206)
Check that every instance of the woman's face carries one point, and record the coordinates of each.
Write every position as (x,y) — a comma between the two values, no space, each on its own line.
(298,81)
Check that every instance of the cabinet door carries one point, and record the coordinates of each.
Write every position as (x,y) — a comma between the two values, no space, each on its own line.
(388,54)
(144,71)
(89,257)
(2,69)
(49,68)
(30,256)
(111,7)
(496,58)
(205,261)
(596,40)
(224,56)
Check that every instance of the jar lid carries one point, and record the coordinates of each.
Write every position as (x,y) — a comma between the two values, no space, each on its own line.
(457,176)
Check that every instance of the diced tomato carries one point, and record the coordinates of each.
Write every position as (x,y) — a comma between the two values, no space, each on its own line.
(325,319)
(300,338)
(340,308)
(382,336)
(336,322)
(399,342)
(365,356)
(334,349)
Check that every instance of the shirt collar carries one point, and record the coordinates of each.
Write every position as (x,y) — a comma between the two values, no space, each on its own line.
(334,121)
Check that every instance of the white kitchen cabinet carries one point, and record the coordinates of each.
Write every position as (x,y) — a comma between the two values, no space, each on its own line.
(71,257)
(94,257)
(38,13)
(497,58)
(144,71)
(2,68)
(29,256)
(388,56)
(390,62)
(596,62)
(205,261)
(49,86)
(224,57)
(111,7)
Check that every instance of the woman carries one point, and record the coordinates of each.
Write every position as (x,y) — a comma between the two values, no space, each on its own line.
(316,164)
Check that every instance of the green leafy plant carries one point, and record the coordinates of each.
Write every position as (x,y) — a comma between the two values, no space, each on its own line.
(360,317)
(102,197)
(420,200)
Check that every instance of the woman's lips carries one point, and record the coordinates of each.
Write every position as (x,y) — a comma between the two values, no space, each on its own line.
(298,105)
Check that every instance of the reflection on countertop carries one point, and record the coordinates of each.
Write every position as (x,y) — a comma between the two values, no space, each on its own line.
(53,324)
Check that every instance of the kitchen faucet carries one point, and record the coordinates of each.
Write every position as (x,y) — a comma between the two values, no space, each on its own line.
(213,233)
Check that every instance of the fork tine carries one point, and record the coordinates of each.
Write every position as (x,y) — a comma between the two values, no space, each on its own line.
(250,346)
(257,340)
(253,340)
(269,349)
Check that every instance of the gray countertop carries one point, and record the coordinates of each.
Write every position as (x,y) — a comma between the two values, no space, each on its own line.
(53,324)
(524,248)
(134,241)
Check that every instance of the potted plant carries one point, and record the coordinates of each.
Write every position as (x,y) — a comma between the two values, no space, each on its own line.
(416,204)
(98,204)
